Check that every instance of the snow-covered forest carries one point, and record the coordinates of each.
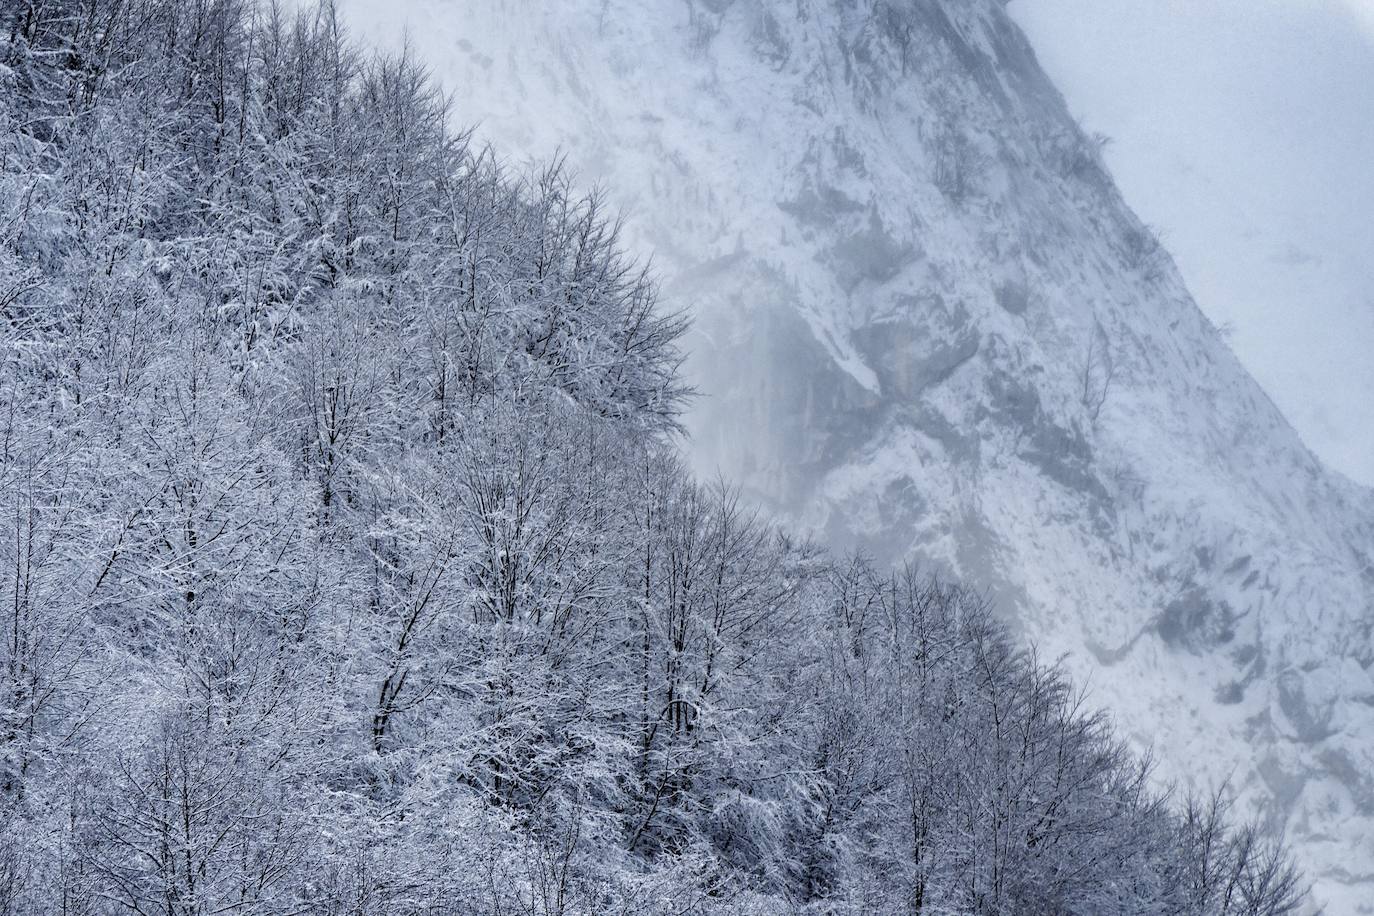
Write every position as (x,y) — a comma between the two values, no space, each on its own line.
(347,565)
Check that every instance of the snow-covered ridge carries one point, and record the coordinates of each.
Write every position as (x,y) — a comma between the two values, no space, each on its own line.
(929,328)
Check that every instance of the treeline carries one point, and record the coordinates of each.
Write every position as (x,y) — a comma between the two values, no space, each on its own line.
(346,566)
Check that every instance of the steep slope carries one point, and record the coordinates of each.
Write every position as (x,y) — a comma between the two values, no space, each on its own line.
(929,327)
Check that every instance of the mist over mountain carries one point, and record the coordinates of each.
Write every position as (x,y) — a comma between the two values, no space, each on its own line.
(353,559)
(1242,131)
(929,328)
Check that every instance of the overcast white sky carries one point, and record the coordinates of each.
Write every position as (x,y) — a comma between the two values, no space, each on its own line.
(1244,131)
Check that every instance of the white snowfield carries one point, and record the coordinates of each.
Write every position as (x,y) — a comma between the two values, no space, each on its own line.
(929,328)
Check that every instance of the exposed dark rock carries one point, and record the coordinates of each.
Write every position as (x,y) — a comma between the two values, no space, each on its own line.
(1196,620)
(1310,720)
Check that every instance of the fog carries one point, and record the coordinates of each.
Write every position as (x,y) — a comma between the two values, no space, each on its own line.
(1243,131)
(365,548)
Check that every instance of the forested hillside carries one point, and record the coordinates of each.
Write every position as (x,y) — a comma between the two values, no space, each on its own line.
(927,325)
(347,566)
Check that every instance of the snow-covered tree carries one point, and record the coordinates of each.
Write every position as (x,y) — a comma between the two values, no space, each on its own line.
(347,566)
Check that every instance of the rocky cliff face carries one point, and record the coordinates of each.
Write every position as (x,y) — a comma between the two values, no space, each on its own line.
(929,328)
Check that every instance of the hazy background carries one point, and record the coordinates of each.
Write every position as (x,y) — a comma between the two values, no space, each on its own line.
(1243,130)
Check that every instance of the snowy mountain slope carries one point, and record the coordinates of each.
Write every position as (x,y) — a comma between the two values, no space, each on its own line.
(1242,131)
(929,327)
